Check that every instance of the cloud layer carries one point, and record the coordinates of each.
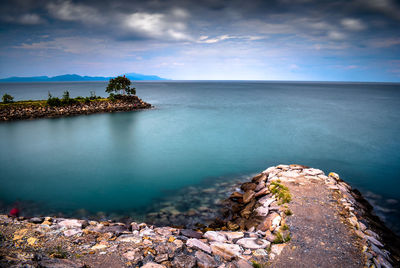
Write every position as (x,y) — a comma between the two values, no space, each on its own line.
(300,40)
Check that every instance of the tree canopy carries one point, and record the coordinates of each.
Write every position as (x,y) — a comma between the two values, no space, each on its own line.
(7,98)
(120,83)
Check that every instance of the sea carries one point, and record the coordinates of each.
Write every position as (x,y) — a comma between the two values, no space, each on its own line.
(200,139)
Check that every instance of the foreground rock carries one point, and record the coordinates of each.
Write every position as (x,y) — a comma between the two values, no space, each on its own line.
(15,112)
(256,229)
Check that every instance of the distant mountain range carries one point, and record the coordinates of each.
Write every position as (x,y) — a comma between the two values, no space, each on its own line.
(79,78)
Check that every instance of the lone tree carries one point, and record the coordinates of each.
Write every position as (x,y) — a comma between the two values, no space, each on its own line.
(7,98)
(120,83)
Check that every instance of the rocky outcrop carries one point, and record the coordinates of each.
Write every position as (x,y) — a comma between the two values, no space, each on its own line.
(253,231)
(21,112)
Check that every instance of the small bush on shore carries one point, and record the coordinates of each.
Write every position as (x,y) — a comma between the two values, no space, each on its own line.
(7,98)
(53,101)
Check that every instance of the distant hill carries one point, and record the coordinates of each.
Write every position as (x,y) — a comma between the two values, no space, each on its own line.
(79,78)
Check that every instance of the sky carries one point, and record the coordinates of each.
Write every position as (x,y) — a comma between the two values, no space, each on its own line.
(312,40)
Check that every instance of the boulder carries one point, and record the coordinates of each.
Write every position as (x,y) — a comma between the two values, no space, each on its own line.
(248,196)
(242,264)
(233,235)
(248,209)
(270,222)
(71,224)
(262,192)
(226,251)
(313,171)
(204,260)
(260,186)
(262,211)
(289,174)
(215,236)
(259,178)
(184,261)
(247,186)
(197,244)
(191,233)
(334,176)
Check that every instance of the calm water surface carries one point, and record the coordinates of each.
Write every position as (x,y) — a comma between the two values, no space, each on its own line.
(199,133)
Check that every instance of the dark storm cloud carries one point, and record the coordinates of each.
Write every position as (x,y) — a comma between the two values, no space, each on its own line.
(181,20)
(269,28)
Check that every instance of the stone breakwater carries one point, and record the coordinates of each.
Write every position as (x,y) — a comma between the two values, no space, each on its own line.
(22,112)
(254,230)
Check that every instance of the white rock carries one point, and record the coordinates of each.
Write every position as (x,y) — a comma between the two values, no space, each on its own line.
(313,171)
(153,265)
(315,178)
(72,232)
(334,176)
(197,244)
(129,239)
(262,211)
(70,224)
(284,167)
(289,174)
(226,251)
(146,232)
(266,201)
(233,235)
(215,236)
(333,187)
(269,170)
(276,250)
(276,222)
(324,177)
(253,243)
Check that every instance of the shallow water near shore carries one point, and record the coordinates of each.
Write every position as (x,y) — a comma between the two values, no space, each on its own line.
(199,135)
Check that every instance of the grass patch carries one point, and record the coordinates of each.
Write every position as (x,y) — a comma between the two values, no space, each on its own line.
(281,239)
(257,265)
(288,212)
(285,227)
(281,192)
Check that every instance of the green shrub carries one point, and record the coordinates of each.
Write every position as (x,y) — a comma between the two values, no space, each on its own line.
(53,101)
(7,98)
(112,97)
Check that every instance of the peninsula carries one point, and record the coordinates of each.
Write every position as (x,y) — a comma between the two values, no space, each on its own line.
(66,106)
(286,216)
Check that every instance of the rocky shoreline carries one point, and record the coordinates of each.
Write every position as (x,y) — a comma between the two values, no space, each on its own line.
(254,230)
(23,112)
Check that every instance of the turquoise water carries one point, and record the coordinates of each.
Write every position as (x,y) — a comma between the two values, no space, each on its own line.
(199,133)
